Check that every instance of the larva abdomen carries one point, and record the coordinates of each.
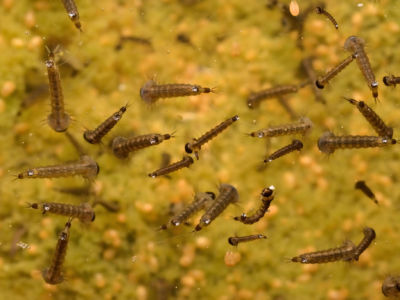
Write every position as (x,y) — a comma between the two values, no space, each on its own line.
(295,145)
(185,162)
(84,212)
(255,98)
(234,241)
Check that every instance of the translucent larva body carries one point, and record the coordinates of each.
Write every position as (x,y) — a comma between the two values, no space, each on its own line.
(267,195)
(85,167)
(391,287)
(255,98)
(152,91)
(369,236)
(295,145)
(391,80)
(227,195)
(195,145)
(95,136)
(320,10)
(362,186)
(84,212)
(323,80)
(73,13)
(234,241)
(328,142)
(356,45)
(122,146)
(185,162)
(303,126)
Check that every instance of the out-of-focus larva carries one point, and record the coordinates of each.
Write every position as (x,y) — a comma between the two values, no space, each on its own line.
(85,167)
(58,119)
(227,195)
(122,146)
(255,98)
(95,136)
(73,13)
(391,80)
(235,240)
(267,195)
(19,232)
(84,212)
(376,122)
(295,145)
(133,39)
(323,80)
(328,142)
(185,162)
(152,91)
(356,45)
(76,191)
(391,287)
(195,144)
(369,236)
(75,143)
(35,94)
(319,10)
(53,274)
(308,68)
(362,186)
(303,126)
(345,252)
(112,206)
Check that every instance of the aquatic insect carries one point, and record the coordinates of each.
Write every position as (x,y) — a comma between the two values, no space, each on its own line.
(302,126)
(369,236)
(195,145)
(345,252)
(234,241)
(320,10)
(328,142)
(36,93)
(227,195)
(362,186)
(85,167)
(307,66)
(53,274)
(323,80)
(295,145)
(122,146)
(152,91)
(58,119)
(133,39)
(255,98)
(391,80)
(112,206)
(356,45)
(373,119)
(95,136)
(76,191)
(267,195)
(84,212)
(75,143)
(185,162)
(391,286)
(73,13)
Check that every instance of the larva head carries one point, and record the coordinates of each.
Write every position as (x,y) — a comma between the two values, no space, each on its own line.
(233,241)
(89,137)
(319,10)
(188,148)
(147,94)
(319,84)
(51,277)
(352,42)
(230,191)
(389,80)
(58,123)
(211,194)
(323,143)
(297,144)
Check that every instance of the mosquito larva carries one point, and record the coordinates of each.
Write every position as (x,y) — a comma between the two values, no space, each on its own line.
(376,122)
(345,252)
(391,286)
(255,98)
(152,91)
(227,195)
(134,39)
(369,236)
(303,126)
(356,45)
(85,167)
(328,142)
(58,119)
(76,191)
(36,93)
(323,80)
(185,162)
(295,145)
(320,10)
(84,212)
(195,145)
(122,146)
(362,186)
(75,143)
(53,274)
(73,13)
(95,136)
(234,241)
(112,206)
(307,65)
(391,80)
(267,195)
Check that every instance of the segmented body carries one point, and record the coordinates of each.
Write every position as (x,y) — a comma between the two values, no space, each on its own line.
(320,10)
(234,241)
(255,98)
(323,80)
(185,162)
(84,212)
(369,236)
(391,286)
(73,13)
(295,145)
(391,80)
(302,127)
(362,186)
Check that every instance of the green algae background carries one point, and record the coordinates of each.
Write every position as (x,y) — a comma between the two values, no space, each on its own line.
(236,47)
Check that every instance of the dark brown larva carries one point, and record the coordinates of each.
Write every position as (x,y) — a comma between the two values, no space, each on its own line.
(267,195)
(295,145)
(95,136)
(320,10)
(58,119)
(234,241)
(391,287)
(376,122)
(195,145)
(356,45)
(185,162)
(391,80)
(122,146)
(84,212)
(323,80)
(328,142)
(53,274)
(345,252)
(73,13)
(307,66)
(362,186)
(303,126)
(152,91)
(227,195)
(369,236)
(255,98)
